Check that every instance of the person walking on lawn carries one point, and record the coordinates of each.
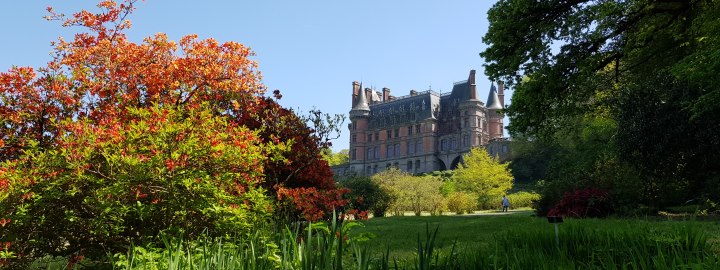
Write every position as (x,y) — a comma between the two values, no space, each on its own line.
(505,203)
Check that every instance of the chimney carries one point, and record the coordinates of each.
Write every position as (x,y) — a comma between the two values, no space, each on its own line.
(368,95)
(413,93)
(386,94)
(501,93)
(355,91)
(473,87)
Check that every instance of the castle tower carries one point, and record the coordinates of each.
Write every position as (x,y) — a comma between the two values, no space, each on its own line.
(359,117)
(494,118)
(471,112)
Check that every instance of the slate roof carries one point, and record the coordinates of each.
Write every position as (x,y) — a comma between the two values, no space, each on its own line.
(493,102)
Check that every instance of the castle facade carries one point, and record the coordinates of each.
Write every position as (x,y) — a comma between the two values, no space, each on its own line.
(423,131)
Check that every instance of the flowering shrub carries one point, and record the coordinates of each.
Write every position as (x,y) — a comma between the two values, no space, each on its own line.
(115,141)
(165,171)
(587,202)
(314,204)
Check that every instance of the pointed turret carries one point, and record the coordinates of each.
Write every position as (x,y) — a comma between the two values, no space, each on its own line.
(359,123)
(361,108)
(494,118)
(493,102)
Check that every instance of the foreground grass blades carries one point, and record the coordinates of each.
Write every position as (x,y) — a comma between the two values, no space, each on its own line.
(515,241)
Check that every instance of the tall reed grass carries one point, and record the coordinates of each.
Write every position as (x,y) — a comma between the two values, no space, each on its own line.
(583,245)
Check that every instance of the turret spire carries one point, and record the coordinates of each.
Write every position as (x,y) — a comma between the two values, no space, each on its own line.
(361,108)
(493,102)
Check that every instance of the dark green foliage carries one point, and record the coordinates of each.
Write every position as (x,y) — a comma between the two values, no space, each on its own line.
(649,66)
(657,123)
(366,195)
(530,159)
(583,155)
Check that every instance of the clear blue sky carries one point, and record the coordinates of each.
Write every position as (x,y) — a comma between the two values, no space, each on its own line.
(310,50)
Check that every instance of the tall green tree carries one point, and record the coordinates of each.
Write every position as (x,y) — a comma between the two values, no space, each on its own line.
(650,63)
(483,175)
(530,158)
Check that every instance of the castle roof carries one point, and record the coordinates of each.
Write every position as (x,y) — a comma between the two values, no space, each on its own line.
(493,102)
(361,108)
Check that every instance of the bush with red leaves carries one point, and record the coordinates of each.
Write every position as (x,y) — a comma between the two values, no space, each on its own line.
(303,180)
(587,202)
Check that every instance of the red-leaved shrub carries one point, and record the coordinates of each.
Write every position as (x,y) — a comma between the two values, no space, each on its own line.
(587,202)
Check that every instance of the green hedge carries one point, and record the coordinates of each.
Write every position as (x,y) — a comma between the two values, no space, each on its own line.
(522,199)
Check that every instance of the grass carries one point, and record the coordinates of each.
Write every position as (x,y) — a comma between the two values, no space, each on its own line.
(519,230)
(516,240)
(399,234)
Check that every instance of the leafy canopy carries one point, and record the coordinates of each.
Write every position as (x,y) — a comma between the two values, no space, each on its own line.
(561,46)
(115,141)
(483,175)
(647,66)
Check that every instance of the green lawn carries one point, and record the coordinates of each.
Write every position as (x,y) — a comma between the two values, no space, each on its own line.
(400,233)
(488,240)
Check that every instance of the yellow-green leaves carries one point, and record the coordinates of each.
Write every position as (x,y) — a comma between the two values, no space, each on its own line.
(483,175)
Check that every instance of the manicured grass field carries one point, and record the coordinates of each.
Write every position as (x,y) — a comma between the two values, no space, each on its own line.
(400,234)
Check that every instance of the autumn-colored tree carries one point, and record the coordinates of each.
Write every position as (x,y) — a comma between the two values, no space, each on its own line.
(303,179)
(100,73)
(165,172)
(484,176)
(115,141)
